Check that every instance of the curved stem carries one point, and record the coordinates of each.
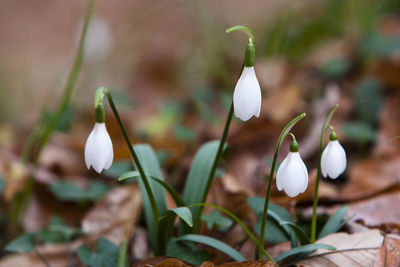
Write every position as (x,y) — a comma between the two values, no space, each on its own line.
(321,147)
(104,91)
(245,29)
(210,178)
(281,138)
(235,218)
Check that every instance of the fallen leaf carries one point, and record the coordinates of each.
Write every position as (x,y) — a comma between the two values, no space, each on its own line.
(389,252)
(356,250)
(114,216)
(381,211)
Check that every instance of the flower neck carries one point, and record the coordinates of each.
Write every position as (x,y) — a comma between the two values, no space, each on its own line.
(100,114)
(333,136)
(250,55)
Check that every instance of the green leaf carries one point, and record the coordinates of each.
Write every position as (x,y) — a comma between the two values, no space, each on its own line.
(301,235)
(335,68)
(380,45)
(166,224)
(334,223)
(302,251)
(184,134)
(212,242)
(215,219)
(359,132)
(68,191)
(96,190)
(22,244)
(57,232)
(369,99)
(132,176)
(151,167)
(107,254)
(186,252)
(2,185)
(118,168)
(274,232)
(200,168)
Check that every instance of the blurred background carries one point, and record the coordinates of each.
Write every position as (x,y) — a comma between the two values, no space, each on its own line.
(172,70)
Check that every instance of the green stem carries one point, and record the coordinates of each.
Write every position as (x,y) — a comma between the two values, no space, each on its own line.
(214,167)
(99,99)
(281,138)
(73,75)
(321,147)
(266,202)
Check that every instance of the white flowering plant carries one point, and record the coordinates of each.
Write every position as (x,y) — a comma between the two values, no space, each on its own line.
(291,177)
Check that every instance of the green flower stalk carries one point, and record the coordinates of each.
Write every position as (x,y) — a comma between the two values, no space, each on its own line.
(321,147)
(281,138)
(98,104)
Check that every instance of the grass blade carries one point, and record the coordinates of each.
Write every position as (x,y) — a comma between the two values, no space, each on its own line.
(304,250)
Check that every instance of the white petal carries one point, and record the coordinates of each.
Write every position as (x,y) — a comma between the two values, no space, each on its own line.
(247,95)
(279,183)
(294,179)
(98,149)
(335,160)
(305,174)
(323,159)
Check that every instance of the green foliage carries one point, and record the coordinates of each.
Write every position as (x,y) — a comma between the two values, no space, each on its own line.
(335,222)
(379,45)
(359,132)
(68,191)
(368,98)
(187,252)
(299,253)
(64,122)
(123,257)
(118,168)
(200,168)
(2,185)
(166,224)
(274,232)
(335,68)
(215,219)
(57,232)
(301,235)
(151,167)
(184,134)
(106,255)
(22,244)
(212,242)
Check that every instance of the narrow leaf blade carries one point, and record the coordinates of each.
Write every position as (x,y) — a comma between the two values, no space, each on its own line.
(334,223)
(212,242)
(304,250)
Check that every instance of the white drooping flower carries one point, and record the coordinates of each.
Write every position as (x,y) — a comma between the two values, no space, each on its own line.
(333,159)
(292,175)
(247,95)
(98,149)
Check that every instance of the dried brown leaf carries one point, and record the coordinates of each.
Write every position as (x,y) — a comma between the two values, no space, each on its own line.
(356,250)
(389,253)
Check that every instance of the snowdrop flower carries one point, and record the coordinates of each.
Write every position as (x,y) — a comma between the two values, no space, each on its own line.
(247,94)
(98,149)
(333,159)
(292,175)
